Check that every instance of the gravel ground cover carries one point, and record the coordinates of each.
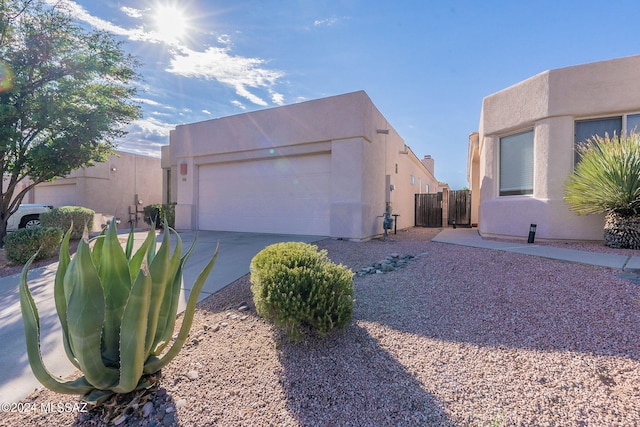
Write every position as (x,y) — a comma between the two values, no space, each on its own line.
(460,336)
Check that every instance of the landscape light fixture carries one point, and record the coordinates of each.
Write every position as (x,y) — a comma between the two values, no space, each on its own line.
(532,233)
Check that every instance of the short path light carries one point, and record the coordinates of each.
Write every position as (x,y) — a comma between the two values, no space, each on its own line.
(532,233)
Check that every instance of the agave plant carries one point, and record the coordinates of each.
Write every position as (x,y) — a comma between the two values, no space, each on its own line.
(607,180)
(117,309)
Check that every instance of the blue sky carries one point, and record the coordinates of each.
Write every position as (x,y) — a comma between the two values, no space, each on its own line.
(426,64)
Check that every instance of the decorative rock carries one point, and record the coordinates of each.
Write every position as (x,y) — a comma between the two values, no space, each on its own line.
(193,375)
(243,308)
(216,328)
(121,419)
(180,403)
(168,420)
(146,409)
(245,317)
(224,324)
(391,263)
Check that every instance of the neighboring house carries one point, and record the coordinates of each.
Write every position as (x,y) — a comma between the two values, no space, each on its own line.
(122,185)
(524,149)
(326,167)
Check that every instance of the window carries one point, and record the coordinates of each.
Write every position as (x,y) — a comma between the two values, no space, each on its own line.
(633,123)
(516,164)
(413,180)
(586,129)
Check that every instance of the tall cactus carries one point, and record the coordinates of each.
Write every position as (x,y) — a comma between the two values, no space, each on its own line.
(117,309)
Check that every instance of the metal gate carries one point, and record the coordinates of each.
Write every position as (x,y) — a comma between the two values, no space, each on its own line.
(460,208)
(428,210)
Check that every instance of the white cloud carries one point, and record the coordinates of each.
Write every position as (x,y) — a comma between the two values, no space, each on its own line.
(238,104)
(151,127)
(129,11)
(207,112)
(100,24)
(241,73)
(325,22)
(277,98)
(329,22)
(147,101)
(236,71)
(146,136)
(224,39)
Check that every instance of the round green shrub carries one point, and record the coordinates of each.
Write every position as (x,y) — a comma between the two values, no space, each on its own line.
(21,244)
(298,287)
(158,212)
(63,216)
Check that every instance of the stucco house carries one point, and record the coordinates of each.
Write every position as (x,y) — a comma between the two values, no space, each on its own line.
(524,149)
(121,186)
(326,167)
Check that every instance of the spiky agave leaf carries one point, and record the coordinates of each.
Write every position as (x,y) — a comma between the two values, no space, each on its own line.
(31,322)
(86,310)
(154,364)
(115,278)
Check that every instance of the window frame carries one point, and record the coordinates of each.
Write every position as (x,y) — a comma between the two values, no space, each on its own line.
(528,192)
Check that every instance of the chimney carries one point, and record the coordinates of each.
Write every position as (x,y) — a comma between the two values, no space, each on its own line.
(429,163)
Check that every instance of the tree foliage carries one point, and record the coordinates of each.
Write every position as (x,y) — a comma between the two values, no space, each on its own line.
(66,94)
(607,178)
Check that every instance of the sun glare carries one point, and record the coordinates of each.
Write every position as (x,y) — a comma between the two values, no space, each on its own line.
(170,22)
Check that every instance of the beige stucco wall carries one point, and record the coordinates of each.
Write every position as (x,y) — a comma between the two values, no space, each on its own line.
(364,149)
(549,103)
(108,188)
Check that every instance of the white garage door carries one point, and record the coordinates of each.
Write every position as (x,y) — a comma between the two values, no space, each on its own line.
(56,194)
(284,195)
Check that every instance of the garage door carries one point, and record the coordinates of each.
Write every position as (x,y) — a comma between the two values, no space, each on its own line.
(56,194)
(285,195)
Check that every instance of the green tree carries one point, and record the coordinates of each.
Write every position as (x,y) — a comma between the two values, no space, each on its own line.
(66,94)
(607,180)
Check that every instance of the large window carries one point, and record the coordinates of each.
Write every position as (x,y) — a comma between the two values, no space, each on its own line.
(587,129)
(516,164)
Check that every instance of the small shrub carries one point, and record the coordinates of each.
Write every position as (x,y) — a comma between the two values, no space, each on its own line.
(157,213)
(21,244)
(298,287)
(63,216)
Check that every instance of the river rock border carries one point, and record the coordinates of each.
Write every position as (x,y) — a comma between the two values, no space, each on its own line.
(391,262)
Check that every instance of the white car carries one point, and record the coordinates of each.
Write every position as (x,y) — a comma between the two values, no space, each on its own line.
(27,215)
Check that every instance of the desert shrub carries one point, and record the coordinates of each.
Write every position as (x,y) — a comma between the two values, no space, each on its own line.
(157,213)
(299,288)
(607,180)
(63,216)
(21,244)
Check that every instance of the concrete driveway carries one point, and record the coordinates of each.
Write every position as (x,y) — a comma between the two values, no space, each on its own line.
(16,379)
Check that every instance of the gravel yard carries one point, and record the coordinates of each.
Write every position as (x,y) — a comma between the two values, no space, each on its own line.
(459,337)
